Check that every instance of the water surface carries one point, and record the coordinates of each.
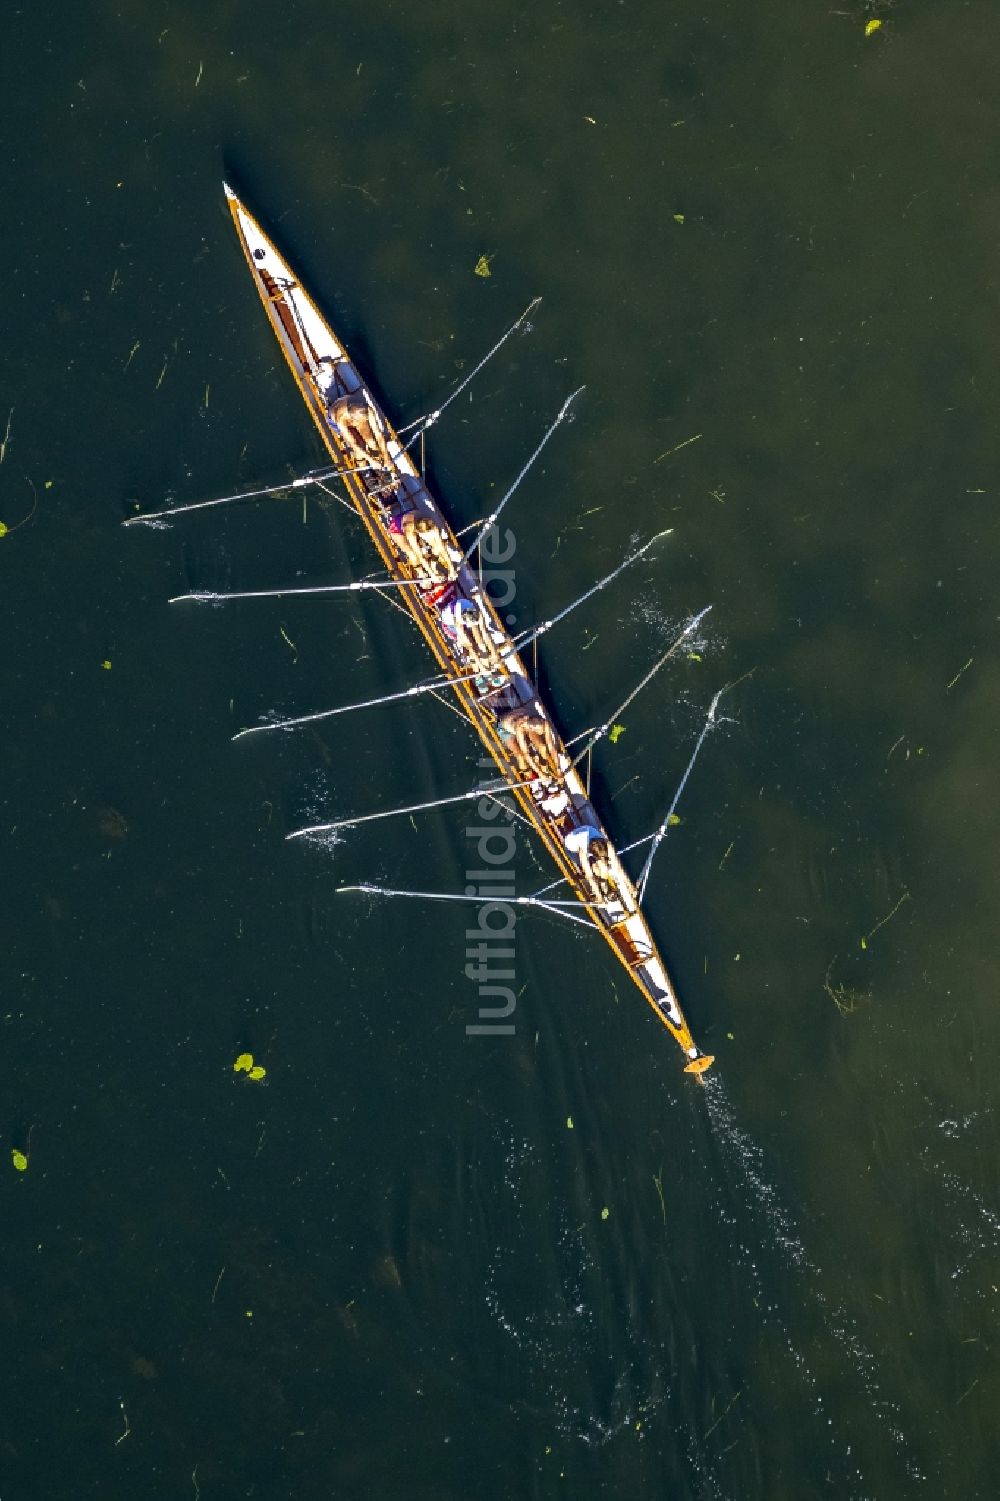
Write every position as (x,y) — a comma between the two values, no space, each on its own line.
(388,1271)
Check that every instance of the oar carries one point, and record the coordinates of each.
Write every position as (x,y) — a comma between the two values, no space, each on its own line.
(446,896)
(527,637)
(603,729)
(440,802)
(209,596)
(423,423)
(430,686)
(491,519)
(659,834)
(314,477)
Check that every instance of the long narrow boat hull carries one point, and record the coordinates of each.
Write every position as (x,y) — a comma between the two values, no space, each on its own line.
(310,347)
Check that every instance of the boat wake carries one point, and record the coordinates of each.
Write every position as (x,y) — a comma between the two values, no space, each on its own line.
(772,1225)
(555,1317)
(966,1221)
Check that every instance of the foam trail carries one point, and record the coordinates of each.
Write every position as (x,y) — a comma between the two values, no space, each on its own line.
(563,1352)
(775,1223)
(968,1220)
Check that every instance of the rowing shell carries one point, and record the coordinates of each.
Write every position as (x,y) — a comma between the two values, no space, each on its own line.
(309,345)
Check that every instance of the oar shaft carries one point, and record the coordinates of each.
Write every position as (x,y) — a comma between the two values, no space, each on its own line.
(223,500)
(453,896)
(441,802)
(527,637)
(315,477)
(428,686)
(423,423)
(660,834)
(446,896)
(604,728)
(209,596)
(492,519)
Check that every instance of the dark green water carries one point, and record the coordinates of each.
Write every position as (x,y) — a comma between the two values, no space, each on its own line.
(385,1272)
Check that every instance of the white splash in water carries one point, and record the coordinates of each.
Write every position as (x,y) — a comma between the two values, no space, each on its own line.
(276,717)
(976,1236)
(957,1128)
(663,627)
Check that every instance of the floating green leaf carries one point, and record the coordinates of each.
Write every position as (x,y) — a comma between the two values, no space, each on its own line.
(243,1064)
(617,731)
(605,1213)
(19,1160)
(257,1072)
(569,1123)
(483,266)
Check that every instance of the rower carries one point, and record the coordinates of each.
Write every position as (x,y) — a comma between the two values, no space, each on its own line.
(352,414)
(425,543)
(533,740)
(464,622)
(602,870)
